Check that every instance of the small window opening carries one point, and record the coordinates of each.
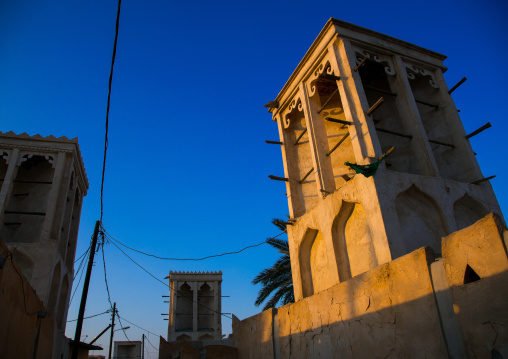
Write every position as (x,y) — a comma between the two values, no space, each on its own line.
(470,275)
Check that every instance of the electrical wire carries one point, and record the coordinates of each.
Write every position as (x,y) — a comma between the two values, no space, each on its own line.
(151,344)
(91,316)
(107,110)
(77,285)
(139,327)
(188,259)
(84,254)
(167,285)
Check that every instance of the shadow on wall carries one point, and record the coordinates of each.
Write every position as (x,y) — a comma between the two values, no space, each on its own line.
(412,307)
(23,334)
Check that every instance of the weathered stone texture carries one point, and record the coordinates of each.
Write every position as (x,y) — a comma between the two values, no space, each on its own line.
(481,306)
(18,332)
(389,310)
(254,336)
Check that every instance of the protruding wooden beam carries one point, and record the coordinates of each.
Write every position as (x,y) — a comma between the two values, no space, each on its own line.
(426,103)
(300,137)
(328,100)
(274,142)
(482,180)
(360,64)
(379,90)
(272,104)
(393,133)
(458,84)
(481,129)
(331,77)
(387,153)
(306,175)
(336,120)
(442,143)
(278,178)
(375,106)
(338,144)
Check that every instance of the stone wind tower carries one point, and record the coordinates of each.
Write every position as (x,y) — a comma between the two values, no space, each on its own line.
(194,306)
(343,223)
(43,182)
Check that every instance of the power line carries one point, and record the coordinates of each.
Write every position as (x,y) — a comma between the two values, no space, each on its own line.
(84,254)
(107,110)
(95,315)
(151,344)
(188,259)
(139,327)
(167,285)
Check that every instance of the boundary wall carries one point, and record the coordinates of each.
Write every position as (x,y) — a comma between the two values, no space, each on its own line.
(416,306)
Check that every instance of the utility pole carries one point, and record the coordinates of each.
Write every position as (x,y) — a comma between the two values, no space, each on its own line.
(143,347)
(82,306)
(112,329)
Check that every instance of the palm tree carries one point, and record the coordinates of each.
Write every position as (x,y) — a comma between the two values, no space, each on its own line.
(278,277)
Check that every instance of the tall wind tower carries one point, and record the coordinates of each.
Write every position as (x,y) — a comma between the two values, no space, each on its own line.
(355,95)
(194,306)
(42,190)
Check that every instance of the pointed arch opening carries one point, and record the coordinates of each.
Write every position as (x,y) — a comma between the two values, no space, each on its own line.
(467,211)
(421,220)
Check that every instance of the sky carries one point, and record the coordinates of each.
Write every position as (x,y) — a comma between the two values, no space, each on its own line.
(187,166)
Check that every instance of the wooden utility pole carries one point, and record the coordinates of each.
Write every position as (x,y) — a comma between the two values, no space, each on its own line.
(112,329)
(82,306)
(143,348)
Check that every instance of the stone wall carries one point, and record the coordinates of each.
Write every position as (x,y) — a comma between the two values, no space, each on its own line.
(413,307)
(22,333)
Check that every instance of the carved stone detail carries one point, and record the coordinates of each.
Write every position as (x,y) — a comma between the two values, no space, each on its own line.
(25,156)
(413,70)
(295,104)
(324,67)
(360,54)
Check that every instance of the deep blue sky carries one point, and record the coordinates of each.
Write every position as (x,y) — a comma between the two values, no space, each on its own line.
(187,165)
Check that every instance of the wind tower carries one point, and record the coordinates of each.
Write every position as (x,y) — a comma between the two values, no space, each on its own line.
(194,306)
(355,95)
(43,182)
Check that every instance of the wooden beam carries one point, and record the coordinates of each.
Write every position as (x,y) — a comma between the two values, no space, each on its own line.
(278,178)
(375,106)
(306,175)
(338,144)
(481,129)
(482,180)
(457,85)
(301,135)
(336,120)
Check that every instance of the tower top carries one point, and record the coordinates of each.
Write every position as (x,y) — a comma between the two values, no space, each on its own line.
(46,144)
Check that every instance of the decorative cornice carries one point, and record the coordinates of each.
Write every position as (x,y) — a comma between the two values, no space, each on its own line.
(195,272)
(80,167)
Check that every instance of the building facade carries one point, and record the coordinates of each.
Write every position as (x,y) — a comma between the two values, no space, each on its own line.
(42,190)
(355,95)
(194,306)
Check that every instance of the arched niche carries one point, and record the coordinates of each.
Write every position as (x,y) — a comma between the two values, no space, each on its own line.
(421,221)
(183,338)
(467,211)
(26,207)
(206,337)
(24,263)
(353,246)
(62,303)
(205,306)
(314,266)
(184,308)
(55,285)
